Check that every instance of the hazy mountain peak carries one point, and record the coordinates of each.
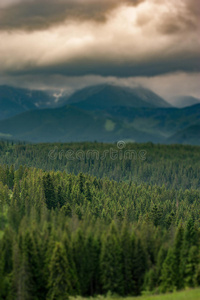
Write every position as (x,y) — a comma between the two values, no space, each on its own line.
(109,95)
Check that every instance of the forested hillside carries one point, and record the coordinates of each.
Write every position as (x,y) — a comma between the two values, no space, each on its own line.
(65,234)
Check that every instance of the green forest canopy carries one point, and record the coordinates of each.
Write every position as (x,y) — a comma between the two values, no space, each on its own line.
(66,229)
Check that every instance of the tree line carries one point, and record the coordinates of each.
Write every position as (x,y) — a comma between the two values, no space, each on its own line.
(175,166)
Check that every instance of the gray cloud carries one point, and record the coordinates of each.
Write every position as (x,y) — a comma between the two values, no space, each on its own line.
(41,14)
(82,67)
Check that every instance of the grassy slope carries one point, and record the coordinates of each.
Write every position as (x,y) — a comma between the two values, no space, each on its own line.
(184,295)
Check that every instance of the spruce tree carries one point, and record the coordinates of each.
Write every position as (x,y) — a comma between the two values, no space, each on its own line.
(79,252)
(168,274)
(139,265)
(191,266)
(88,195)
(111,263)
(49,192)
(190,239)
(127,261)
(81,183)
(177,257)
(59,282)
(75,287)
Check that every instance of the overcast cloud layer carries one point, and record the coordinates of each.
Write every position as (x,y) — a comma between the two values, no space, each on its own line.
(112,38)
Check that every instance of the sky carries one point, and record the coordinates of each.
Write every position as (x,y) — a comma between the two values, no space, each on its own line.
(64,45)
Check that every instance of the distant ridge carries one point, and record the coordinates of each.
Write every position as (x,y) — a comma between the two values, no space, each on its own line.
(186,101)
(189,135)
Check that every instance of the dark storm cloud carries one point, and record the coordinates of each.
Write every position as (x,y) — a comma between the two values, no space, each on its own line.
(41,14)
(189,62)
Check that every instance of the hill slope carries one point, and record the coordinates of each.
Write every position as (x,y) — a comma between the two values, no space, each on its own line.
(160,121)
(189,135)
(69,124)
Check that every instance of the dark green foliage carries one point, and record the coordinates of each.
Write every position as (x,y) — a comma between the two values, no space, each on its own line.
(168,275)
(60,197)
(49,192)
(80,259)
(127,260)
(177,167)
(111,263)
(139,266)
(88,194)
(59,276)
(81,183)
(156,215)
(178,248)
(65,234)
(66,209)
(191,267)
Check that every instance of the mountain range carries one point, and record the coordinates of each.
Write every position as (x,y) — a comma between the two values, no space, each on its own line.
(105,113)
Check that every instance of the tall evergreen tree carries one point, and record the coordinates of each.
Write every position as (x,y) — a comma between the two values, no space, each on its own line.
(139,266)
(81,183)
(49,192)
(191,267)
(111,263)
(178,246)
(59,283)
(168,275)
(127,262)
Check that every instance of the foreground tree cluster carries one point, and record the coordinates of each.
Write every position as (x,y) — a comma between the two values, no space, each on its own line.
(64,234)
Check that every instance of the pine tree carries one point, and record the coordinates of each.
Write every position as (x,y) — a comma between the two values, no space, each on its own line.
(191,267)
(80,260)
(88,195)
(139,265)
(66,210)
(111,263)
(11,177)
(190,239)
(177,257)
(168,275)
(49,192)
(127,261)
(32,265)
(81,183)
(24,288)
(156,215)
(59,283)
(75,287)
(60,197)
(160,260)
(92,265)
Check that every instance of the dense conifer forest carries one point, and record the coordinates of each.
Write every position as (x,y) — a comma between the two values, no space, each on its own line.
(72,223)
